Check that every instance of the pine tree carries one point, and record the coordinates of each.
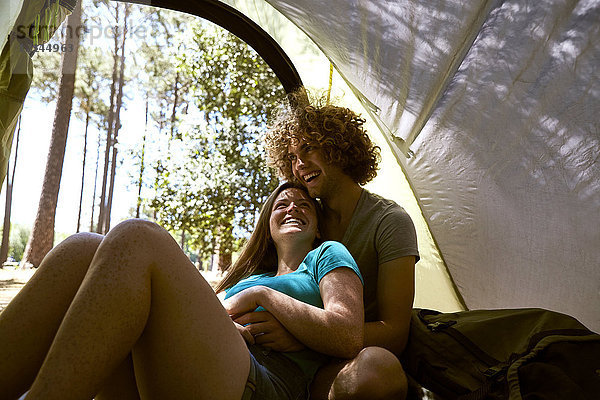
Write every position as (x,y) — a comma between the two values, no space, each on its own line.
(42,234)
(10,180)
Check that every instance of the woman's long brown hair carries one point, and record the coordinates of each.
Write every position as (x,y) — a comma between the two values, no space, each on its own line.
(259,254)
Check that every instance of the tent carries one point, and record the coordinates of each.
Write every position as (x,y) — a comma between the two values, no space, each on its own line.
(487,112)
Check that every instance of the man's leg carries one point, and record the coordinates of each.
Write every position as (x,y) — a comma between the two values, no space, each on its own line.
(375,373)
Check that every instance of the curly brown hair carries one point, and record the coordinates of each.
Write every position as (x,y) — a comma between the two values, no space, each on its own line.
(337,131)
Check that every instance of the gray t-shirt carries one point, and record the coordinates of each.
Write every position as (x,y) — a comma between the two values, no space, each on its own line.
(379,231)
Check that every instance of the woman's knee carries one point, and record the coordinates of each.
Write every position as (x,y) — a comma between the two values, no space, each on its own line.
(137,228)
(76,250)
(140,239)
(375,373)
(83,240)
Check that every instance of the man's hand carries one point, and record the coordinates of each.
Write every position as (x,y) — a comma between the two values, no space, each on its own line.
(267,331)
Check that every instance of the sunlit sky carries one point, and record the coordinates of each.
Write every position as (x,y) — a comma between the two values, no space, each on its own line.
(34,140)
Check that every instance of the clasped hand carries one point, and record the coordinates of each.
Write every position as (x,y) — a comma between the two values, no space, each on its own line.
(259,327)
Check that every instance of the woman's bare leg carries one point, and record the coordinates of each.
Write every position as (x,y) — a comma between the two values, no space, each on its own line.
(121,384)
(30,321)
(143,293)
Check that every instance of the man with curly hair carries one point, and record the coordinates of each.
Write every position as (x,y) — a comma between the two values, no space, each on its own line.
(326,149)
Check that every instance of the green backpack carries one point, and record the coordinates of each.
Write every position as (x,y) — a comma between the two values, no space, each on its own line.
(503,354)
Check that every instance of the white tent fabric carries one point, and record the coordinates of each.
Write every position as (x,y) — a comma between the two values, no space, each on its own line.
(507,165)
(502,101)
(9,11)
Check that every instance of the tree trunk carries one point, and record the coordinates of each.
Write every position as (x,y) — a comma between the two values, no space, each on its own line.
(10,180)
(158,165)
(87,123)
(117,126)
(142,157)
(224,250)
(109,128)
(175,102)
(95,184)
(41,239)
(224,260)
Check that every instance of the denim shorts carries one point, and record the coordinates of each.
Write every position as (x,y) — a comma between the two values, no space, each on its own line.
(273,376)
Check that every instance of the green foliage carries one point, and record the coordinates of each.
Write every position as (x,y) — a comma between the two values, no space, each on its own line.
(59,237)
(159,76)
(93,73)
(213,178)
(18,240)
(46,75)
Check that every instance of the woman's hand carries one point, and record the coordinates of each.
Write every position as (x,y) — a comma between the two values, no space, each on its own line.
(244,302)
(338,328)
(267,331)
(259,327)
(245,332)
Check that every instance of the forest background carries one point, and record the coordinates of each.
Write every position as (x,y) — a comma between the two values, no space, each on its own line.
(167,116)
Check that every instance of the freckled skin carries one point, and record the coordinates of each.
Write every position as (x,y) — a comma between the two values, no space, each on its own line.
(96,306)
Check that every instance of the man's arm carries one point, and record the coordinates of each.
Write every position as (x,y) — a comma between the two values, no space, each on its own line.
(395,295)
(336,329)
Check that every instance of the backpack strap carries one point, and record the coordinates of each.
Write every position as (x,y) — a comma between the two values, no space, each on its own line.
(446,326)
(496,376)
(556,332)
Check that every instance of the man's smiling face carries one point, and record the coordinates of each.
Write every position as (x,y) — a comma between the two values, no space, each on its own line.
(310,168)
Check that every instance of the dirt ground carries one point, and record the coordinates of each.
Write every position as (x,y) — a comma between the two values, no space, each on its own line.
(11,281)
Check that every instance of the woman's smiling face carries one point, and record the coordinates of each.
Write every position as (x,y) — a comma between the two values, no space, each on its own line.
(293,215)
